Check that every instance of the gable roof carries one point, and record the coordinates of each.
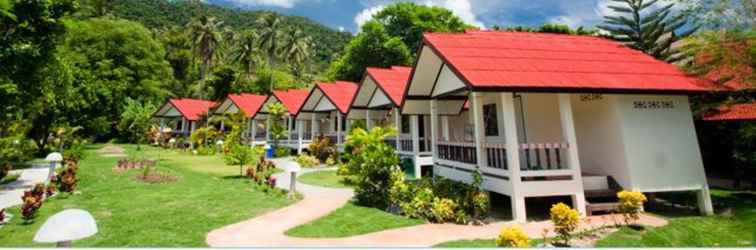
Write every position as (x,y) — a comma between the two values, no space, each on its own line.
(392,81)
(520,61)
(192,109)
(250,104)
(736,112)
(340,93)
(293,99)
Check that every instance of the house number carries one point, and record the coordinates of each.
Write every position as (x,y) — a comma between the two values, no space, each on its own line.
(653,104)
(591,97)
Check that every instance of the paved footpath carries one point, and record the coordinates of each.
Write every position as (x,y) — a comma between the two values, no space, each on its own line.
(10,194)
(268,230)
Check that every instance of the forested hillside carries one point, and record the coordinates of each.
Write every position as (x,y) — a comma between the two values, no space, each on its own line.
(159,14)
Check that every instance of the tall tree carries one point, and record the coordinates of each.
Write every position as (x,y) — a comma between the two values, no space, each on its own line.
(721,14)
(246,53)
(270,36)
(649,28)
(179,53)
(206,37)
(297,51)
(373,47)
(408,21)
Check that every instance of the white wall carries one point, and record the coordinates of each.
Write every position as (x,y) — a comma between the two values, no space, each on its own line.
(661,144)
(599,138)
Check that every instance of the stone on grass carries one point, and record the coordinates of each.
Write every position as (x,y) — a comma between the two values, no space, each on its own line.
(65,226)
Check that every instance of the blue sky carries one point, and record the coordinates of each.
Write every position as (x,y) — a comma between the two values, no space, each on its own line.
(348,14)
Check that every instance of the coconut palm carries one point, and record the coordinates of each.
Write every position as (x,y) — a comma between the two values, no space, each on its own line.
(270,34)
(246,52)
(206,38)
(297,50)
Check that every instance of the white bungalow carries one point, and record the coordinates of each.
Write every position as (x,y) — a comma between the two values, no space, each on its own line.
(378,100)
(556,115)
(182,115)
(329,105)
(250,104)
(298,124)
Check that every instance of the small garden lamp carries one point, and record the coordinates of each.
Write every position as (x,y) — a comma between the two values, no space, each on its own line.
(54,158)
(66,226)
(293,168)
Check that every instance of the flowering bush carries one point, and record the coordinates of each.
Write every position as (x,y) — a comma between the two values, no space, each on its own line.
(512,236)
(442,210)
(32,202)
(565,221)
(2,216)
(322,148)
(67,178)
(631,204)
(307,161)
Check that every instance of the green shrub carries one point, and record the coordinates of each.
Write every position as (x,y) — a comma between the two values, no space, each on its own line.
(241,155)
(371,164)
(282,152)
(307,161)
(443,210)
(14,147)
(323,149)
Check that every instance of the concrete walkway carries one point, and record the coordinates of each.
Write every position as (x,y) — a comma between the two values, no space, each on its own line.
(10,194)
(268,230)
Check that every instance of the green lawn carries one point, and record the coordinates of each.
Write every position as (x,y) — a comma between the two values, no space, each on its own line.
(351,220)
(132,214)
(736,230)
(324,179)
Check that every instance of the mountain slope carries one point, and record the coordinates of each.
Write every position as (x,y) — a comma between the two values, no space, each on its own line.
(161,13)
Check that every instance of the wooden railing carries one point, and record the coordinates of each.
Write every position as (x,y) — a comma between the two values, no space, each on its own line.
(544,156)
(405,144)
(496,154)
(457,151)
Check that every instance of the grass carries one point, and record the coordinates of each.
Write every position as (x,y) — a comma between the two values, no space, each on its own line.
(324,179)
(735,230)
(351,220)
(134,214)
(9,178)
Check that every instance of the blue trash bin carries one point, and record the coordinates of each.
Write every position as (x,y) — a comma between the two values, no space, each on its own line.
(270,152)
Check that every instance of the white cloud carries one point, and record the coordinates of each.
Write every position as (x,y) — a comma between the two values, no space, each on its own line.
(462,8)
(367,14)
(276,3)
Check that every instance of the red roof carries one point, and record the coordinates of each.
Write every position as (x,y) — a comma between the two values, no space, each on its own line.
(392,81)
(538,61)
(293,99)
(737,112)
(340,93)
(248,103)
(192,109)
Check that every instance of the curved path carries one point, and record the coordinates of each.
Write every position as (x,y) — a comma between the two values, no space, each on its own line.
(268,230)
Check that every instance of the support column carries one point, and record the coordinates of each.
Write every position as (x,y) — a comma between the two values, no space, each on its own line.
(704,201)
(415,133)
(478,129)
(338,129)
(397,124)
(300,131)
(223,126)
(445,128)
(254,130)
(289,124)
(162,128)
(573,158)
(368,121)
(513,156)
(434,127)
(267,129)
(315,125)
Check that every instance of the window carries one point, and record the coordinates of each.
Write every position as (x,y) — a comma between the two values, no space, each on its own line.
(489,120)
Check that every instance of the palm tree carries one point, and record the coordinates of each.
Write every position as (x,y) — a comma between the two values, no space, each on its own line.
(297,50)
(206,38)
(270,34)
(246,52)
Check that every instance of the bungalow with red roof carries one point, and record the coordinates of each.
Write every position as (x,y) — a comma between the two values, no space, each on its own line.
(329,104)
(378,100)
(556,115)
(297,123)
(183,115)
(251,105)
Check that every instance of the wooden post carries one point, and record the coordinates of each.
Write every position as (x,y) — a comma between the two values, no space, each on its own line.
(478,129)
(289,124)
(368,121)
(315,125)
(300,131)
(398,126)
(513,155)
(445,128)
(254,130)
(338,129)
(434,127)
(415,132)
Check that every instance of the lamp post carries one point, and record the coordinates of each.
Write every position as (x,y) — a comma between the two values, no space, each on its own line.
(54,158)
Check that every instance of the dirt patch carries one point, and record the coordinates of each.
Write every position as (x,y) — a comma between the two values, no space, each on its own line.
(112,151)
(125,165)
(156,177)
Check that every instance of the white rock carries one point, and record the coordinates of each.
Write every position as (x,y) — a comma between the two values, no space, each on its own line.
(68,225)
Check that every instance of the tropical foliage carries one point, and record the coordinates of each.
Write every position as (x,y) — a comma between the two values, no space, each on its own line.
(645,26)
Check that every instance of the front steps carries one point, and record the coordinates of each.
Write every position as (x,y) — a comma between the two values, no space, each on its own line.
(599,196)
